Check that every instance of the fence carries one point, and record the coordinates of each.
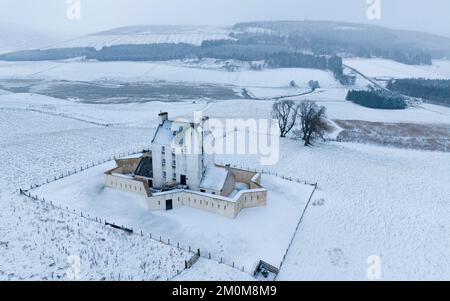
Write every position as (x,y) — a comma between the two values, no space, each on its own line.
(116,226)
(296,229)
(198,253)
(288,178)
(74,171)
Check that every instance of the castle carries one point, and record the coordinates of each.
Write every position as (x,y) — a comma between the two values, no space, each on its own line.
(179,172)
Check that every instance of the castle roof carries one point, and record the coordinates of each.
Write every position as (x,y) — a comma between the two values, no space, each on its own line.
(214,178)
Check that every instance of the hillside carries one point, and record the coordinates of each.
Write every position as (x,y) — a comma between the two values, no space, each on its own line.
(14,38)
(354,39)
(279,43)
(148,34)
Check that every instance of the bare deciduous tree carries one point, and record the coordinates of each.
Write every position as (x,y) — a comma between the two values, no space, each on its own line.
(313,123)
(286,112)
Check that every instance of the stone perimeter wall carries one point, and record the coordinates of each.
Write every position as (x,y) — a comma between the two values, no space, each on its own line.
(256,196)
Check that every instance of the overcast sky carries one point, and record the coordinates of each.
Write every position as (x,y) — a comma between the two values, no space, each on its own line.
(51,15)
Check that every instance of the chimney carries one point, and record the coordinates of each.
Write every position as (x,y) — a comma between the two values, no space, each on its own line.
(163,116)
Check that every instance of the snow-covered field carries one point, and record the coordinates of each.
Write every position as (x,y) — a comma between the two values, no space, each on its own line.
(38,242)
(240,241)
(371,200)
(336,109)
(387,202)
(207,270)
(385,69)
(131,114)
(41,243)
(149,35)
(265,83)
(151,71)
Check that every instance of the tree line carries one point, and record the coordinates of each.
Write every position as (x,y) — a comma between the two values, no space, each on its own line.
(361,40)
(377,99)
(435,90)
(275,56)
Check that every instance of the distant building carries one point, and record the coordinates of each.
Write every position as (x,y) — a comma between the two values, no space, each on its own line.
(178,172)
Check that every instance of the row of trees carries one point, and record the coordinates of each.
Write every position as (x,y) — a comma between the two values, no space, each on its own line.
(431,89)
(329,38)
(377,99)
(275,56)
(48,54)
(307,120)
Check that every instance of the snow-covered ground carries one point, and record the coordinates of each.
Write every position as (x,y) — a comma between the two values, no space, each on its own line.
(256,234)
(385,69)
(38,242)
(131,114)
(371,200)
(41,243)
(202,271)
(149,35)
(388,202)
(265,83)
(336,109)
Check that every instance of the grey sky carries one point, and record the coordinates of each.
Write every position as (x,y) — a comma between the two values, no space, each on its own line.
(50,15)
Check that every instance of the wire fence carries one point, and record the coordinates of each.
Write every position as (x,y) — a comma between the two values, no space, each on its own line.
(196,252)
(287,178)
(82,168)
(297,228)
(132,231)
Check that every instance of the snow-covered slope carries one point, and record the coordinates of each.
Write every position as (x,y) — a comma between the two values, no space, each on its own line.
(147,34)
(385,69)
(14,38)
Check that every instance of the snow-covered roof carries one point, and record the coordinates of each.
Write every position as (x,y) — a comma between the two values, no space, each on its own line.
(214,178)
(164,135)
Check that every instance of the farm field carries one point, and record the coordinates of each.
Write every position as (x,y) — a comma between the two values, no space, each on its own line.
(372,200)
